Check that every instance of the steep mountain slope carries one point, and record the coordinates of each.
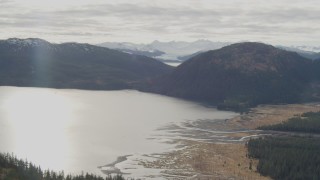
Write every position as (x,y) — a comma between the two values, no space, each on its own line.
(316,70)
(187,57)
(242,74)
(35,62)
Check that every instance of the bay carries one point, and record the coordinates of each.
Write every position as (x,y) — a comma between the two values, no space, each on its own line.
(77,130)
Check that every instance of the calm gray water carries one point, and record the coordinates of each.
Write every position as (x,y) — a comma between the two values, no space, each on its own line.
(174,64)
(78,130)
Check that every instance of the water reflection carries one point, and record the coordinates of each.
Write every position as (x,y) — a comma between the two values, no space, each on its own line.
(79,130)
(37,124)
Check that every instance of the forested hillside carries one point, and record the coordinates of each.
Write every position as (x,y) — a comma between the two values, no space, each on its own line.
(36,62)
(239,75)
(12,168)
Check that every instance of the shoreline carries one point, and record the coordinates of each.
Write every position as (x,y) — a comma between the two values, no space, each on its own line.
(202,158)
(111,167)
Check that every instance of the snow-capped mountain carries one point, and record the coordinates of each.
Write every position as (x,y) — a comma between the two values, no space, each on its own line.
(167,50)
(308,48)
(27,42)
(174,49)
(125,45)
(304,53)
(181,50)
(131,48)
(30,42)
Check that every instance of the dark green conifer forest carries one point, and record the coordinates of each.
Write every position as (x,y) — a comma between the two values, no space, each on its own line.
(289,156)
(12,168)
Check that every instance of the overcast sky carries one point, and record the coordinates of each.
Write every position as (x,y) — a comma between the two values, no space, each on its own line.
(287,22)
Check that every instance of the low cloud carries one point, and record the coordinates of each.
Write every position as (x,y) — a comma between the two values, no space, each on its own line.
(145,21)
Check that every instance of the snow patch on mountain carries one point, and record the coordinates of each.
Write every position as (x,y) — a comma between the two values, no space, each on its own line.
(27,42)
(308,48)
(171,50)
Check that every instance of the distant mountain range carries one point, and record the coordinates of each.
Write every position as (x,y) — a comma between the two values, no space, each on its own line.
(242,75)
(181,51)
(36,62)
(307,48)
(304,53)
(167,50)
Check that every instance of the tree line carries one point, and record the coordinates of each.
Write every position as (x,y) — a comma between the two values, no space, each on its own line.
(306,123)
(12,168)
(289,157)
